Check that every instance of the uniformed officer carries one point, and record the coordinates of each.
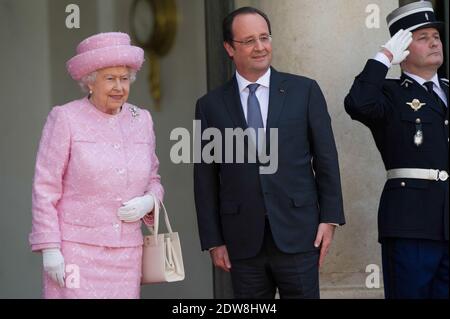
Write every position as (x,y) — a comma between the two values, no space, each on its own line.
(408,118)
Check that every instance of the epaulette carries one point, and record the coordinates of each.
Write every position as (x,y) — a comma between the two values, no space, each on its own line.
(393,80)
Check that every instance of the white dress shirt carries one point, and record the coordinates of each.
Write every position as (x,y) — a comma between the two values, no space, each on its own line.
(262,93)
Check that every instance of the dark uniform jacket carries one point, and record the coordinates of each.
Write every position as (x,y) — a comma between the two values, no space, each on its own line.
(409,208)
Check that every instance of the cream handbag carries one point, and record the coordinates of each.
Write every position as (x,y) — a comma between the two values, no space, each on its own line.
(162,260)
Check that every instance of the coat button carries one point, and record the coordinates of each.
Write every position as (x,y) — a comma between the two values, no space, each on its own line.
(116,146)
(446,122)
(418,121)
(402,184)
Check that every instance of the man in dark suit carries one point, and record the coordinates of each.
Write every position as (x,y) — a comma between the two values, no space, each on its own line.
(408,119)
(270,230)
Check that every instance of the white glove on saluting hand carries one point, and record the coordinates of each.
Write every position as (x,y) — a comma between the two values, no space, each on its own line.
(398,44)
(135,209)
(54,265)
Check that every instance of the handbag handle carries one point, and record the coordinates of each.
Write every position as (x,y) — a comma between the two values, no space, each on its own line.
(156,219)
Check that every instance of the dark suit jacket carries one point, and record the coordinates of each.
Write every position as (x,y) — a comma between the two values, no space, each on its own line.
(409,208)
(233,199)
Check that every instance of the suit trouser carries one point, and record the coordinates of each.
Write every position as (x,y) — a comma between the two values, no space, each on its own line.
(415,268)
(295,275)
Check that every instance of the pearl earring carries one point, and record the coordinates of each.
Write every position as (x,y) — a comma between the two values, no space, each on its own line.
(90,92)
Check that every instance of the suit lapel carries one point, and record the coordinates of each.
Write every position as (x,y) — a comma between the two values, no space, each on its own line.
(234,105)
(277,97)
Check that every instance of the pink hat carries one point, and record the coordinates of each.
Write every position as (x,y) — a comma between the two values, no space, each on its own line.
(104,50)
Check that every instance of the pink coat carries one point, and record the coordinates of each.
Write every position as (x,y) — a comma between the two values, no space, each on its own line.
(88,164)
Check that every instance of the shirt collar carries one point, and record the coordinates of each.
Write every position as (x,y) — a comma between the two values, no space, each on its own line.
(263,81)
(421,81)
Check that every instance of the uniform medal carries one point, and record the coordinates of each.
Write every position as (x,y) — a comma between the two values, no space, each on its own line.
(416,105)
(418,138)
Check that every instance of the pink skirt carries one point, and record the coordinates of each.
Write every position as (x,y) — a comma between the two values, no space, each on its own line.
(96,272)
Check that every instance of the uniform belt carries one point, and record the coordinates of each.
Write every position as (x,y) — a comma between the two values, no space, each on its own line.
(418,173)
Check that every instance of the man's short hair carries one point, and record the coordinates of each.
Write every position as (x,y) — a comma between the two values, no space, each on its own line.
(227,26)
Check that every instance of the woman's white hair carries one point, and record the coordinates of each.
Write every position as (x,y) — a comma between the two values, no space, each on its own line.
(90,78)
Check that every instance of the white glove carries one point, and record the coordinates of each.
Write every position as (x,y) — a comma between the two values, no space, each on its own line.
(398,44)
(54,265)
(135,209)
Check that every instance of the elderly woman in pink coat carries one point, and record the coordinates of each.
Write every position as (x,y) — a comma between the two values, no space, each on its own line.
(96,178)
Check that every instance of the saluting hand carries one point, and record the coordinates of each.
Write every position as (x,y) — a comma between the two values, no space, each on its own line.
(397,46)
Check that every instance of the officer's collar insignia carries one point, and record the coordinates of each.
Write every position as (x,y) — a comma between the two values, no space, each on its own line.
(416,105)
(406,83)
